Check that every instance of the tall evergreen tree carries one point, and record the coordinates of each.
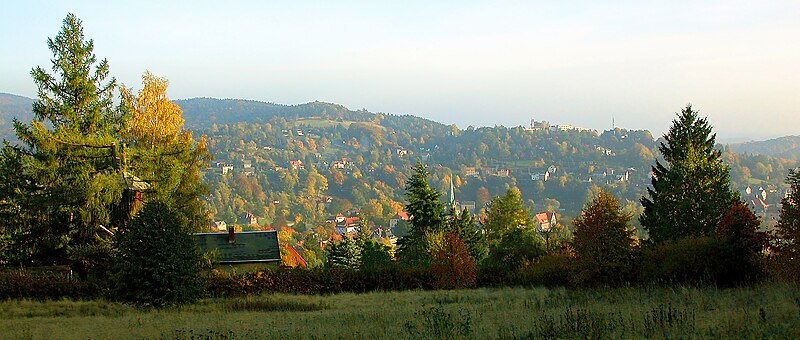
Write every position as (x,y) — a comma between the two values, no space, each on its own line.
(787,234)
(692,192)
(426,211)
(68,162)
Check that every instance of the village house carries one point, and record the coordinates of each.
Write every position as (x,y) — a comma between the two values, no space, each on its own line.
(470,171)
(401,216)
(297,164)
(545,220)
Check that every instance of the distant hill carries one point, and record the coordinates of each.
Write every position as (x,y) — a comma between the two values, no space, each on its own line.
(13,106)
(202,112)
(783,147)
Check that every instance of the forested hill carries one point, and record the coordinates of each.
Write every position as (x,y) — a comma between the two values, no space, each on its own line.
(305,162)
(12,106)
(782,147)
(202,112)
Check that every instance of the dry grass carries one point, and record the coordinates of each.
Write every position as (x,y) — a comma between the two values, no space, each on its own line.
(769,310)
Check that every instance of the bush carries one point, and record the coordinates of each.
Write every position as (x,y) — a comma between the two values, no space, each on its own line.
(158,261)
(550,271)
(692,260)
(18,284)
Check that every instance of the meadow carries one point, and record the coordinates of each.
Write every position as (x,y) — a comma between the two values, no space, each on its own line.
(770,310)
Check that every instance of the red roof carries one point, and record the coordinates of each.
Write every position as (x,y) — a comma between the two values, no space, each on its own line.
(299,259)
(402,216)
(544,217)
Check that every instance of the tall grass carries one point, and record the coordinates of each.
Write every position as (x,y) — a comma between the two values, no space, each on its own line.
(769,310)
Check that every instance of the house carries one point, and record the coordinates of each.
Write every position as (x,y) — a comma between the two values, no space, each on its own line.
(226,168)
(297,165)
(542,176)
(471,171)
(219,225)
(469,205)
(401,152)
(545,220)
(244,250)
(249,219)
(247,163)
(291,258)
(347,225)
(499,172)
(401,216)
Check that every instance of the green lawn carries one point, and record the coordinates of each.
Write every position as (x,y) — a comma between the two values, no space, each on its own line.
(764,311)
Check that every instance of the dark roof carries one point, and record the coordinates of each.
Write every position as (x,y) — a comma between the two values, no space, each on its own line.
(247,246)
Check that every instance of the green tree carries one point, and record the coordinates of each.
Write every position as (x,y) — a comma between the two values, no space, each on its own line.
(516,248)
(426,212)
(67,180)
(158,262)
(506,214)
(692,192)
(345,253)
(373,253)
(463,225)
(602,240)
(787,234)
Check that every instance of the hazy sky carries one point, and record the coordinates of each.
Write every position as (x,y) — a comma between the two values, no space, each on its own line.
(463,62)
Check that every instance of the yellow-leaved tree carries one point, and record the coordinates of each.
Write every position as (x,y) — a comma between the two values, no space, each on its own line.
(162,153)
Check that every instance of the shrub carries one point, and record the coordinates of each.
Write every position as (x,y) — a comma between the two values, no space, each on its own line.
(692,260)
(551,271)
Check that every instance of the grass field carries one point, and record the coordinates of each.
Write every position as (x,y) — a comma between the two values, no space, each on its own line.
(764,311)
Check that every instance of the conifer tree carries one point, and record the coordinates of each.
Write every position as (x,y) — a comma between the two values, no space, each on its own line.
(691,193)
(67,175)
(426,211)
(787,234)
(159,261)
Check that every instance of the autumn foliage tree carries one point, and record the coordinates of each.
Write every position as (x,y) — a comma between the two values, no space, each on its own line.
(163,153)
(602,240)
(452,265)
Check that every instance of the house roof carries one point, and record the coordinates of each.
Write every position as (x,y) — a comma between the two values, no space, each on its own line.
(248,246)
(401,216)
(544,217)
(301,263)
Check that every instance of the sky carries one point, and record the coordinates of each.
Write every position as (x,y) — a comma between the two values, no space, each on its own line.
(587,63)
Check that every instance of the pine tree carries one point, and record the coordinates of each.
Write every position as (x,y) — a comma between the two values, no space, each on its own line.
(68,159)
(426,211)
(692,192)
(787,234)
(158,262)
(345,253)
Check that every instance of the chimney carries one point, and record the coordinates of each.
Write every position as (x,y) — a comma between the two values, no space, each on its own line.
(231,237)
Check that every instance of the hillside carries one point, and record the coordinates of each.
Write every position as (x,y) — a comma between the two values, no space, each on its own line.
(13,106)
(783,147)
(305,162)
